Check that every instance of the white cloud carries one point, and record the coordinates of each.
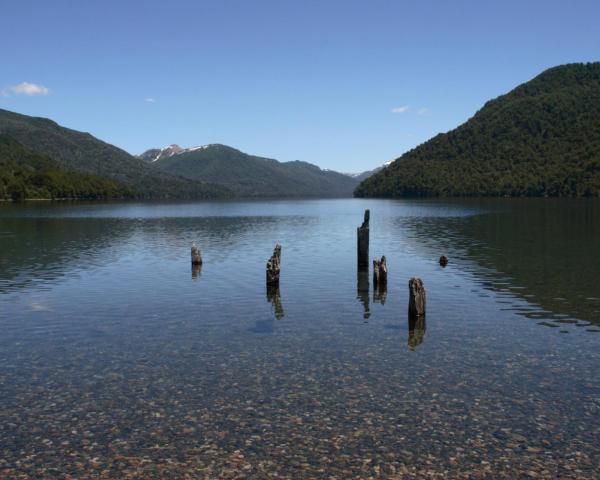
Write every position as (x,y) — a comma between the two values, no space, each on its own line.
(149,100)
(25,88)
(423,111)
(402,109)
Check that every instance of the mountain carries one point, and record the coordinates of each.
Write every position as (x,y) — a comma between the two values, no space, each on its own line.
(368,173)
(81,152)
(540,139)
(26,174)
(252,176)
(155,154)
(359,177)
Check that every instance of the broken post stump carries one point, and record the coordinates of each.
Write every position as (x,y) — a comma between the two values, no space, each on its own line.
(273,266)
(417,300)
(443,260)
(196,256)
(362,242)
(379,273)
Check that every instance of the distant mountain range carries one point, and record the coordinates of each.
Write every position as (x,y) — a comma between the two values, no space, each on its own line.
(81,152)
(540,139)
(77,165)
(248,175)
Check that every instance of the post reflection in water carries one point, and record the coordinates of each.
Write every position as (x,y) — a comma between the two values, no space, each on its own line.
(416,331)
(380,293)
(362,290)
(196,271)
(274,298)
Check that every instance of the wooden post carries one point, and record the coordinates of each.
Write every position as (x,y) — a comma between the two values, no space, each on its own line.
(379,273)
(274,266)
(196,256)
(362,242)
(443,260)
(417,300)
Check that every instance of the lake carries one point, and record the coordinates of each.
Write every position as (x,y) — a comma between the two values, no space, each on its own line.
(119,360)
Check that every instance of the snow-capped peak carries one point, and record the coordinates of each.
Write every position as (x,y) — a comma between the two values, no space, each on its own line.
(201,147)
(156,154)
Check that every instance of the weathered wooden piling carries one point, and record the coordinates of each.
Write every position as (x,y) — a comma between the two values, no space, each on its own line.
(379,273)
(274,266)
(362,242)
(417,300)
(443,260)
(196,256)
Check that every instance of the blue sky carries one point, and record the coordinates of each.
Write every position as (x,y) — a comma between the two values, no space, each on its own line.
(344,84)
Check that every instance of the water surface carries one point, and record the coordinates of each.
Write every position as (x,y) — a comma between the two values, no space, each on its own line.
(118,360)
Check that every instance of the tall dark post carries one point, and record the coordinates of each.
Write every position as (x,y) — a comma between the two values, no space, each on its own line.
(362,242)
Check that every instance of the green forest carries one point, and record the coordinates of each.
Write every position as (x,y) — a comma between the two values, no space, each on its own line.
(74,151)
(252,176)
(540,139)
(25,174)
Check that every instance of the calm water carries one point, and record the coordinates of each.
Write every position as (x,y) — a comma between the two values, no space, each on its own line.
(117,360)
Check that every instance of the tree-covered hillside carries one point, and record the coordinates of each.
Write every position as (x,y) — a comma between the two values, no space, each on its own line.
(78,151)
(25,174)
(540,139)
(251,176)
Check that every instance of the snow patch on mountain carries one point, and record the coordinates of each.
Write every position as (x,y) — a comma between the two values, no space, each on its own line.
(155,154)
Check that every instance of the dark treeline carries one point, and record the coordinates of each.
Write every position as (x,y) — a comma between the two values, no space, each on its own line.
(541,139)
(25,174)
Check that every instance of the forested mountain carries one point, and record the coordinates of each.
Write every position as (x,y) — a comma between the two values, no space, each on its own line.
(81,152)
(540,139)
(252,176)
(26,174)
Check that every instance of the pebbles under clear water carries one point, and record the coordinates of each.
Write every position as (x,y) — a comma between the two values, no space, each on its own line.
(119,361)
